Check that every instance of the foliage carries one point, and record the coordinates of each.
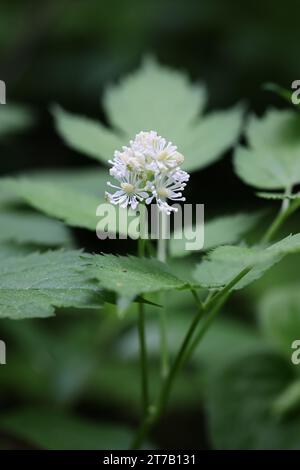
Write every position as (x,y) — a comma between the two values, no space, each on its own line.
(239,373)
(271,161)
(32,285)
(154,98)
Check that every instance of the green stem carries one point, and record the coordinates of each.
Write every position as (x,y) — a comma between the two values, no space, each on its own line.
(197,299)
(157,410)
(162,240)
(164,345)
(281,217)
(162,256)
(181,357)
(143,358)
(212,305)
(143,345)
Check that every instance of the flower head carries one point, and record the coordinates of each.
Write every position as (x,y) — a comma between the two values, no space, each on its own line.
(130,192)
(147,170)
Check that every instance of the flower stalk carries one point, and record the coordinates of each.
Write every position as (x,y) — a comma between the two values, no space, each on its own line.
(162,256)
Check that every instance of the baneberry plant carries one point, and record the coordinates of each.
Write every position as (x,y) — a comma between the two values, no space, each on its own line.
(148,112)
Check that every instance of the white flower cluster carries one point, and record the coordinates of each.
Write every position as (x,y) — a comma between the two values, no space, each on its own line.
(148,170)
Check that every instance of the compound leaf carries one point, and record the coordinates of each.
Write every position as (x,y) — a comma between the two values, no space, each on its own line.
(155,98)
(31,286)
(129,276)
(87,135)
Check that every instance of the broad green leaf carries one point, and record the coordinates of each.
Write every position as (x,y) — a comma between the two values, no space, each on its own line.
(55,430)
(250,387)
(76,207)
(7,197)
(154,98)
(279,317)
(11,250)
(14,118)
(226,262)
(211,136)
(33,285)
(288,402)
(218,231)
(277,128)
(161,99)
(87,135)
(90,180)
(28,227)
(272,159)
(129,276)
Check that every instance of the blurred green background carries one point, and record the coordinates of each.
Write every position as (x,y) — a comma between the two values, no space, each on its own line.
(67,51)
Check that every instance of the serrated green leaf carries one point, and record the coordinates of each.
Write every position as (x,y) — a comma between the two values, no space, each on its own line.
(14,118)
(154,98)
(28,227)
(279,317)
(56,430)
(210,138)
(272,159)
(11,250)
(87,135)
(218,231)
(33,285)
(161,99)
(226,262)
(90,180)
(249,388)
(129,276)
